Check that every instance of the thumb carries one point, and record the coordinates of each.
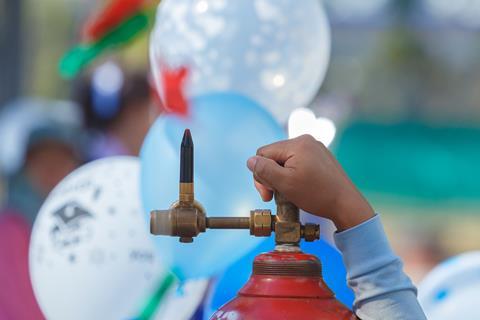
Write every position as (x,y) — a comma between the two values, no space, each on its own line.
(268,172)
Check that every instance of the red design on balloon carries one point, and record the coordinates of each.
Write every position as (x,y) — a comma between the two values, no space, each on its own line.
(173,80)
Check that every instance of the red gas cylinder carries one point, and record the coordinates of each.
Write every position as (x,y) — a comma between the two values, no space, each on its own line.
(285,285)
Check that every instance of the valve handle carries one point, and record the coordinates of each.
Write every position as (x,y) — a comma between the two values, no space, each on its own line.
(286,210)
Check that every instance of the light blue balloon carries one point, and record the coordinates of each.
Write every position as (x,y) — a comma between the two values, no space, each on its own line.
(227,129)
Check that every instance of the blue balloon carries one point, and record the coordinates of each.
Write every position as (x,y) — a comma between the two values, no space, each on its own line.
(227,129)
(333,271)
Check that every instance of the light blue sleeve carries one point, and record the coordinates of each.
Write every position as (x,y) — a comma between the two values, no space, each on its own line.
(375,274)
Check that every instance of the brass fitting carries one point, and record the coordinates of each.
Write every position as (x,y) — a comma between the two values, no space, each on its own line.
(186,194)
(311,232)
(287,232)
(287,224)
(184,221)
(261,223)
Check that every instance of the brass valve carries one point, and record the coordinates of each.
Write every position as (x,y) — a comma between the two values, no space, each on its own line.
(186,218)
(187,222)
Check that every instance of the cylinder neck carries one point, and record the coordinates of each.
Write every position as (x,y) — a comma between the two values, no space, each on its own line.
(283,263)
(286,274)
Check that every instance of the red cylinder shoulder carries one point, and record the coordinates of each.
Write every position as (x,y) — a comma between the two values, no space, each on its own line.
(284,286)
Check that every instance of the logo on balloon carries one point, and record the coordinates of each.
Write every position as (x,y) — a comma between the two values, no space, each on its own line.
(142,256)
(71,226)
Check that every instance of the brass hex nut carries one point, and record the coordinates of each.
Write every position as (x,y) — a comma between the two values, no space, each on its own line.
(311,232)
(260,223)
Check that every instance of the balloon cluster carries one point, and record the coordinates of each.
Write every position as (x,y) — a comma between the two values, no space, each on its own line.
(240,78)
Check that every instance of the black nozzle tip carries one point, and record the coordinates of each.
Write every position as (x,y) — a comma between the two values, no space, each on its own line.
(186,158)
(187,139)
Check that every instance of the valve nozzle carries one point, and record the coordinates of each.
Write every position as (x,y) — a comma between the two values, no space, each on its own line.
(186,158)
(186,192)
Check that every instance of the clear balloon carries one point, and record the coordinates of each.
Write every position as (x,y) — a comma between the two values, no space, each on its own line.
(451,290)
(91,256)
(227,129)
(275,52)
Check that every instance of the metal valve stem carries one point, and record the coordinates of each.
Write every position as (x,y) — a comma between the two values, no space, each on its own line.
(228,223)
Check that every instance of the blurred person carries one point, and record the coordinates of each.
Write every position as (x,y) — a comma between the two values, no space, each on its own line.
(17,300)
(39,146)
(2,190)
(118,110)
(421,252)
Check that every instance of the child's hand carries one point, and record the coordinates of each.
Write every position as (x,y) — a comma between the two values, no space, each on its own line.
(306,173)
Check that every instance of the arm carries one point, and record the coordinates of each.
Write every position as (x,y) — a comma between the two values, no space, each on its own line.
(306,173)
(382,290)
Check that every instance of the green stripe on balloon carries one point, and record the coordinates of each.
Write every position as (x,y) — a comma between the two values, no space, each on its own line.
(152,304)
(80,56)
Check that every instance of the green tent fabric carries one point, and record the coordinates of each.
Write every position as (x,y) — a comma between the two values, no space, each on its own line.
(413,160)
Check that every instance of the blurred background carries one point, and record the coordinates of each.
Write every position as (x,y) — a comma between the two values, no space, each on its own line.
(400,103)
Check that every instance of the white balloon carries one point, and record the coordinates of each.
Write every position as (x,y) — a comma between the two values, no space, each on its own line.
(452,289)
(91,256)
(273,51)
